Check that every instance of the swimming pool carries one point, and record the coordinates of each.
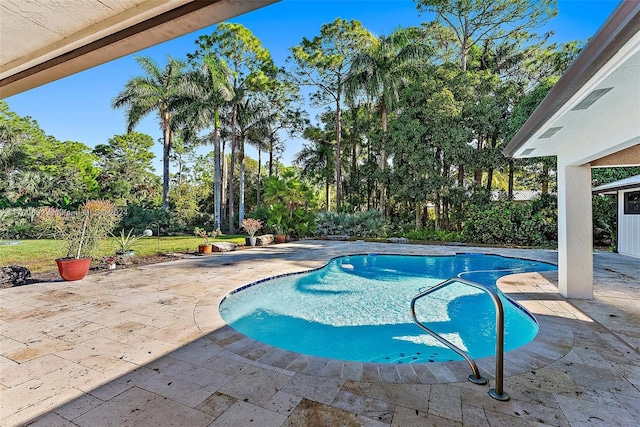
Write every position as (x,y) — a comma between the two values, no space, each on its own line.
(357,308)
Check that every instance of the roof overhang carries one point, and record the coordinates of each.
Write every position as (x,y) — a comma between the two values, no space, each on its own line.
(631,183)
(593,112)
(42,41)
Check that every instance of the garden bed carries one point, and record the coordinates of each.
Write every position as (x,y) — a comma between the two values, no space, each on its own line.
(138,261)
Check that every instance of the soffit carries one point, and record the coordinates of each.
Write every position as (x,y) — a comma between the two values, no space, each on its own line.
(613,120)
(612,123)
(41,41)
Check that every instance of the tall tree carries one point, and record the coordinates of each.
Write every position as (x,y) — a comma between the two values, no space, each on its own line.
(252,120)
(199,109)
(316,159)
(379,71)
(251,70)
(323,62)
(125,169)
(154,92)
(477,21)
(15,132)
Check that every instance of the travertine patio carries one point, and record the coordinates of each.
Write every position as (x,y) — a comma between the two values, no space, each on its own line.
(147,347)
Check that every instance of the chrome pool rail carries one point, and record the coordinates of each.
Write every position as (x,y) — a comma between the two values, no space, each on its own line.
(498,392)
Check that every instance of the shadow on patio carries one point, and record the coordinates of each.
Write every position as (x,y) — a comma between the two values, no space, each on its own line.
(148,347)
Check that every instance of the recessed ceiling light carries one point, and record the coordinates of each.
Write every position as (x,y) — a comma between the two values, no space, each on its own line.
(591,98)
(549,133)
(527,151)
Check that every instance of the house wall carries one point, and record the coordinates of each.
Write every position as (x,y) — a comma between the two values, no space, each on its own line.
(628,229)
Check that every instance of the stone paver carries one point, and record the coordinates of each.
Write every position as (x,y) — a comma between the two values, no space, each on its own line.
(147,347)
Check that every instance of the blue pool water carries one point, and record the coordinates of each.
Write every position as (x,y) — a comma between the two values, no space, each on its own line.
(357,308)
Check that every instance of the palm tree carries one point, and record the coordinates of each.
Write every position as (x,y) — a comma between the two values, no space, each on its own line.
(379,73)
(207,91)
(253,117)
(154,91)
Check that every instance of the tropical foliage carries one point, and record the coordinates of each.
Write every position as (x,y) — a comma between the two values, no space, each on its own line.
(408,140)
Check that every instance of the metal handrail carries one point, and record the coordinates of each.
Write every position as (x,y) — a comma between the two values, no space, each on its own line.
(497,392)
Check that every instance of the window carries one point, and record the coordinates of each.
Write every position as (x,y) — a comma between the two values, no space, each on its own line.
(632,203)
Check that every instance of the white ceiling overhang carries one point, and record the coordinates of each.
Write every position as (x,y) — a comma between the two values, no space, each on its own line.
(605,132)
(41,41)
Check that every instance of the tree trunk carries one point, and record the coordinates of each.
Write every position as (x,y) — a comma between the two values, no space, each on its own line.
(234,141)
(545,177)
(224,182)
(241,189)
(460,205)
(477,174)
(445,200)
(327,188)
(354,160)
(217,190)
(493,142)
(178,176)
(259,177)
(445,213)
(489,179)
(511,173)
(271,157)
(383,162)
(463,58)
(438,212)
(166,150)
(338,155)
(418,216)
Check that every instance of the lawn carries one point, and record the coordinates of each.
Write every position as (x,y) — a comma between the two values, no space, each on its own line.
(40,255)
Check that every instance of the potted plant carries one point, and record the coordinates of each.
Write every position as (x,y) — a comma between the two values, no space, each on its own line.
(81,231)
(206,247)
(280,236)
(277,222)
(251,226)
(125,243)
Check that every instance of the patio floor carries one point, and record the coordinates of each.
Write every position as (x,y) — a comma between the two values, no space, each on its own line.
(147,347)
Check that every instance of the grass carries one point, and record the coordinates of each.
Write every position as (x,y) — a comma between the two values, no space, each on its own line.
(39,255)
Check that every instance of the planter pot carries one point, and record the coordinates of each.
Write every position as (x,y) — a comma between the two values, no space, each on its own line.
(73,269)
(112,266)
(204,249)
(250,241)
(126,253)
(281,238)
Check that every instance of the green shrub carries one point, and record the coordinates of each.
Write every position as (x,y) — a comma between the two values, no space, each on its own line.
(290,205)
(17,223)
(360,224)
(261,213)
(509,223)
(605,220)
(428,234)
(138,218)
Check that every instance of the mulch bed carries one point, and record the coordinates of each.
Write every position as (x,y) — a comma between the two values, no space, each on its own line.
(137,261)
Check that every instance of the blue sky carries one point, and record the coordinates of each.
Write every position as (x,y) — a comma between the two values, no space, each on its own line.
(77,108)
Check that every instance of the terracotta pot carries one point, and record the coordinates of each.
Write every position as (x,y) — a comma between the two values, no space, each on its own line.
(204,249)
(281,238)
(71,269)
